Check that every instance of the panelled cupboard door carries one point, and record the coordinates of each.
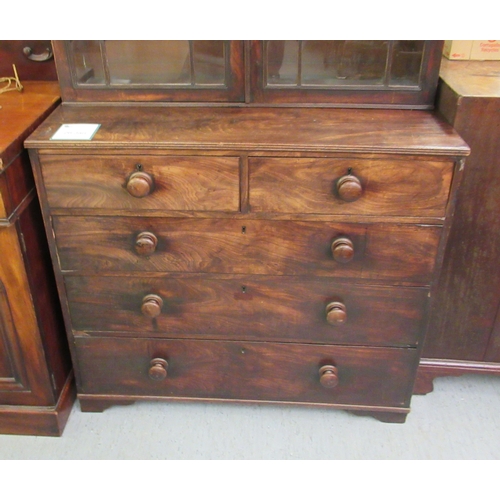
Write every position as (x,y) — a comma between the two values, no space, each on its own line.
(12,374)
(24,379)
(150,70)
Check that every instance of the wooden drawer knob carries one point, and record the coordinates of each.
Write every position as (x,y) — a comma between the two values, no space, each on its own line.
(151,305)
(342,250)
(158,369)
(328,376)
(140,184)
(145,243)
(349,188)
(336,313)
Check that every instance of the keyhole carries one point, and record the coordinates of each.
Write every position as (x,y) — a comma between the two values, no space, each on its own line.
(244,229)
(243,289)
(139,167)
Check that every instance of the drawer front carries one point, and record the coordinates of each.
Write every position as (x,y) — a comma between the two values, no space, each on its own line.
(383,252)
(142,182)
(282,309)
(245,371)
(319,186)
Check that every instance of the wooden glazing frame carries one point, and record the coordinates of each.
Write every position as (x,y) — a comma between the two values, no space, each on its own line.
(73,92)
(247,85)
(421,97)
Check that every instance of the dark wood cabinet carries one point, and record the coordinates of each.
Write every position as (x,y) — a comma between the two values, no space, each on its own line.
(36,381)
(464,333)
(364,73)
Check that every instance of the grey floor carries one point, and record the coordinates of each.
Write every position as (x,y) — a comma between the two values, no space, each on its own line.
(459,420)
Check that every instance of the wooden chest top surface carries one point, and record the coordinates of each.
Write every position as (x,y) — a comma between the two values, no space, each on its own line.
(255,129)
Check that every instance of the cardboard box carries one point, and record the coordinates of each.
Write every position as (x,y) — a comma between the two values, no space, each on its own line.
(458,50)
(473,50)
(485,50)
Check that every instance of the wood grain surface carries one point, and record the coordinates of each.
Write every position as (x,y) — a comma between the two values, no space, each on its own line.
(304,185)
(247,307)
(385,252)
(21,113)
(17,188)
(255,129)
(180,183)
(20,332)
(245,370)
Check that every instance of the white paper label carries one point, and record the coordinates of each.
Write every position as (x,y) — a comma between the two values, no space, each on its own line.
(76,132)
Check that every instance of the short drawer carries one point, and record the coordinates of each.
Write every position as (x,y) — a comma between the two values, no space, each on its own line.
(142,182)
(383,252)
(249,307)
(380,377)
(406,187)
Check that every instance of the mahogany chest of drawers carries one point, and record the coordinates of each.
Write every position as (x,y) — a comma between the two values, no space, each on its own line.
(247,254)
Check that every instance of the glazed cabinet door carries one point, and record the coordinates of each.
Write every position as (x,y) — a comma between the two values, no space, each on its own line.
(387,73)
(150,70)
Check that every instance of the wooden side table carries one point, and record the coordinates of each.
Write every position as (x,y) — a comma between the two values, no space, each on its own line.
(464,333)
(36,380)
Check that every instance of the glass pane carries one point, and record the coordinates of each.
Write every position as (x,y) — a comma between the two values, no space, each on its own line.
(87,62)
(282,62)
(209,62)
(344,62)
(153,62)
(406,62)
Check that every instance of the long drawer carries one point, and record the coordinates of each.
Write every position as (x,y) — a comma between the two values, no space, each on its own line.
(407,187)
(383,252)
(250,307)
(143,182)
(379,377)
